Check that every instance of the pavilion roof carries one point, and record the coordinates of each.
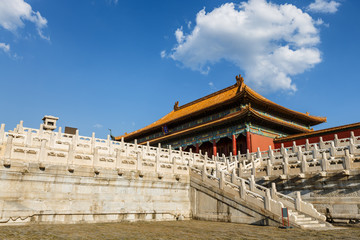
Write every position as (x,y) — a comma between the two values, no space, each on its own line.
(214,100)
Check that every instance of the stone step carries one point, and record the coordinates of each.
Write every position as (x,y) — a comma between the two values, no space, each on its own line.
(319,225)
(307,222)
(304,219)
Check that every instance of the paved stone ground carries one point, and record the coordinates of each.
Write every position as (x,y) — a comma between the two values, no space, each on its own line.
(169,230)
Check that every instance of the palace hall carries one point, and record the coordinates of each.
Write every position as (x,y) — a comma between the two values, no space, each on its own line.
(230,120)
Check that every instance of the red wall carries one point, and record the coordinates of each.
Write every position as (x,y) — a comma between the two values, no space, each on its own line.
(326,137)
(260,141)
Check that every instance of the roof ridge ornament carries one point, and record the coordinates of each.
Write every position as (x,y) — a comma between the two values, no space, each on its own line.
(239,80)
(176,106)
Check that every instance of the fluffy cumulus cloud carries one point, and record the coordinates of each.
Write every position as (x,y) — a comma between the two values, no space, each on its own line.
(14,13)
(324,6)
(269,42)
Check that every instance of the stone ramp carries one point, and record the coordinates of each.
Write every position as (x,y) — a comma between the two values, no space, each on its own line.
(226,197)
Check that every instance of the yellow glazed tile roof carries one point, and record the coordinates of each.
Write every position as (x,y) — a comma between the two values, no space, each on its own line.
(238,90)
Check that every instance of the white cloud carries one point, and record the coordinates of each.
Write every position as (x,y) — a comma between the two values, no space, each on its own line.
(97,125)
(269,42)
(13,14)
(324,6)
(5,47)
(163,54)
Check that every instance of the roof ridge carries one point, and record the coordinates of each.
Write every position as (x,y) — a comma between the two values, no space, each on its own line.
(207,96)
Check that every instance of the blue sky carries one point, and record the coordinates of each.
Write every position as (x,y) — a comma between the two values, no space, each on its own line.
(122,64)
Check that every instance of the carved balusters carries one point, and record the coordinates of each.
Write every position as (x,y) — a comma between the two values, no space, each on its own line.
(2,133)
(8,150)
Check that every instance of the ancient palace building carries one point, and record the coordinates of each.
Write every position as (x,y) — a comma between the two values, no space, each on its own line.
(230,120)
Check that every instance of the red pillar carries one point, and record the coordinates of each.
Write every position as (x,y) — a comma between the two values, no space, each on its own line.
(248,141)
(197,148)
(214,148)
(234,145)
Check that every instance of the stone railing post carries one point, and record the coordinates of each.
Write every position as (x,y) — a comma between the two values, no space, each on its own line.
(243,189)
(294,148)
(8,150)
(2,133)
(352,147)
(286,163)
(299,154)
(271,155)
(324,162)
(298,201)
(269,168)
(138,161)
(253,169)
(248,156)
(252,183)
(267,199)
(315,151)
(28,141)
(118,159)
(240,169)
(336,140)
(217,170)
(282,149)
(70,159)
(321,143)
(332,149)
(304,165)
(204,173)
(96,160)
(273,190)
(157,160)
(347,160)
(42,153)
(352,136)
(233,176)
(222,180)
(307,145)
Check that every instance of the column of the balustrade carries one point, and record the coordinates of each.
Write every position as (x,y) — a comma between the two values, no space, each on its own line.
(282,148)
(52,140)
(347,160)
(243,189)
(238,156)
(258,154)
(271,155)
(96,160)
(118,159)
(42,153)
(248,155)
(352,136)
(294,147)
(352,148)
(252,183)
(204,173)
(217,170)
(253,167)
(170,154)
(332,149)
(28,141)
(93,142)
(315,152)
(307,145)
(298,201)
(336,140)
(304,165)
(136,145)
(217,157)
(75,138)
(205,159)
(8,149)
(157,158)
(2,133)
(21,127)
(233,176)
(240,169)
(321,143)
(138,161)
(267,199)
(286,162)
(41,131)
(324,162)
(70,159)
(173,160)
(273,190)
(269,168)
(222,180)
(300,154)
